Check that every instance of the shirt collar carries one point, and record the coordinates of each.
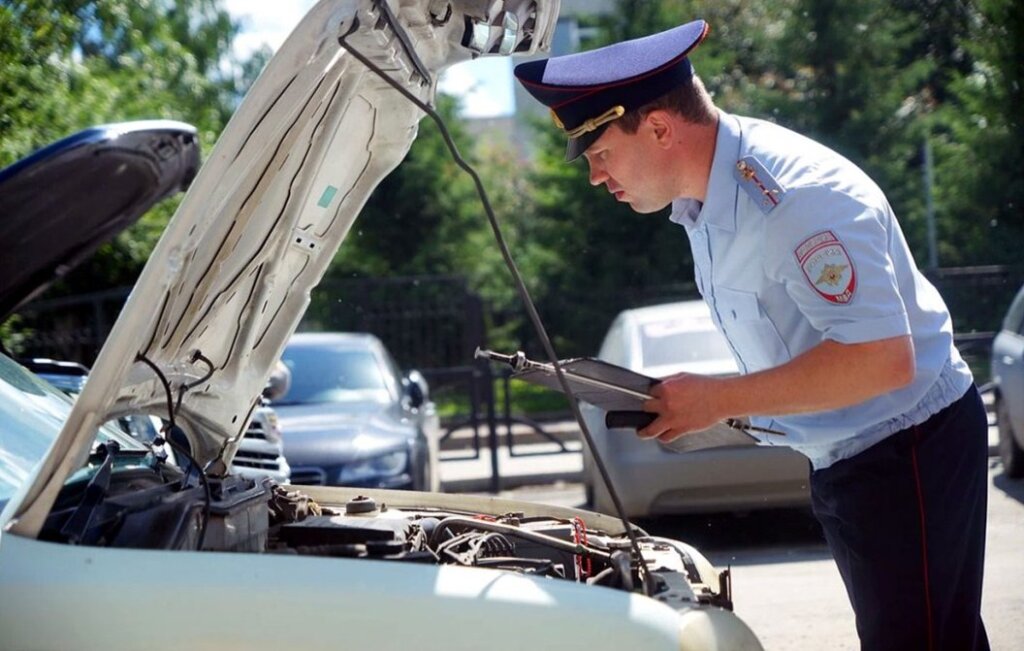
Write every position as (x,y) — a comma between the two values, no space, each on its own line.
(719,207)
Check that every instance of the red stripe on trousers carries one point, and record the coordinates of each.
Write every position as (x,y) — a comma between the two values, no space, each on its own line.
(924,540)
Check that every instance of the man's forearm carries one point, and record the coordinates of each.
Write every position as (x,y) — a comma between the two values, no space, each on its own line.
(829,376)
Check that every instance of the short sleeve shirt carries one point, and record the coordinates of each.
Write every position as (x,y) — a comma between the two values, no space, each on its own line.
(795,245)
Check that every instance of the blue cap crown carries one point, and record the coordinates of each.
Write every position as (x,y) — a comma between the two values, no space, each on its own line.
(589,90)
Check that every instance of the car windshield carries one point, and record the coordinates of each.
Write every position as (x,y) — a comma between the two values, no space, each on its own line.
(322,374)
(680,342)
(32,413)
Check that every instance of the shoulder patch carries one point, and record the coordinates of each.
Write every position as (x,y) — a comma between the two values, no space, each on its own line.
(758,183)
(827,267)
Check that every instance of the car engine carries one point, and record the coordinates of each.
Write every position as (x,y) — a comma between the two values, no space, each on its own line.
(156,506)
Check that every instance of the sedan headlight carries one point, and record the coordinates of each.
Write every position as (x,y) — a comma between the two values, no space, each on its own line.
(385,465)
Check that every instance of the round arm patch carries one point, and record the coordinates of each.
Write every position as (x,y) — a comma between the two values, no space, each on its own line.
(827,267)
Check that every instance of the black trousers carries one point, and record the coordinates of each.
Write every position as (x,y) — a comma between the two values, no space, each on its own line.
(905,520)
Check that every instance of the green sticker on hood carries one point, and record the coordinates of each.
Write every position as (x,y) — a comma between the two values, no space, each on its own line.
(327,196)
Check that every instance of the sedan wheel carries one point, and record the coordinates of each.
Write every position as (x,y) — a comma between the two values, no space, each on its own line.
(1010,451)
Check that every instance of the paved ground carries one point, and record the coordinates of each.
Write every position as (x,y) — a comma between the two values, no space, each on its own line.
(464,472)
(793,597)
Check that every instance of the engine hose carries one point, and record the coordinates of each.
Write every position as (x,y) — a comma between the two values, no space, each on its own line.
(511,530)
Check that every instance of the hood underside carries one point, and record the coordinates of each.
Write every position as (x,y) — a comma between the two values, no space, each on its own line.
(85,189)
(230,279)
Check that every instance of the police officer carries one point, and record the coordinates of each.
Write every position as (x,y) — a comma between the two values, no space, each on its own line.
(844,345)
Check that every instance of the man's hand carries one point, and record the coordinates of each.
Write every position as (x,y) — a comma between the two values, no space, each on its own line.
(829,376)
(684,403)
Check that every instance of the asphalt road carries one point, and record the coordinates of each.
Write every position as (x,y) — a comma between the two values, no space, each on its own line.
(787,588)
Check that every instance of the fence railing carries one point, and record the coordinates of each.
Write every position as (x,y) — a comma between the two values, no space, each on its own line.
(435,323)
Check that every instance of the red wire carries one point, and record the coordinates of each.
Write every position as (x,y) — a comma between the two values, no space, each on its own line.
(579,535)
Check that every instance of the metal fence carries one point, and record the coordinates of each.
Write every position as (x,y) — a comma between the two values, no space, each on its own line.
(427,322)
(430,323)
(69,328)
(978,298)
(435,323)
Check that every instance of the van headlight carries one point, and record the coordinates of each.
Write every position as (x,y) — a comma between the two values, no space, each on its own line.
(384,465)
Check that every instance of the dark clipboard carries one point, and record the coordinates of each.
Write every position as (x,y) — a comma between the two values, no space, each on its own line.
(610,387)
(621,393)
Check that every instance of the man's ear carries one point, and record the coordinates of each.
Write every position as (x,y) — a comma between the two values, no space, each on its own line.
(660,127)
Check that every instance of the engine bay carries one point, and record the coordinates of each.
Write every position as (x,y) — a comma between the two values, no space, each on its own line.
(130,502)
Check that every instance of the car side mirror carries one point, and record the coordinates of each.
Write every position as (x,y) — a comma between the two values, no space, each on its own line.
(278,383)
(416,388)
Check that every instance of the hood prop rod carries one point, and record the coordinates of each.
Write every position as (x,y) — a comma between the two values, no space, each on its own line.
(642,570)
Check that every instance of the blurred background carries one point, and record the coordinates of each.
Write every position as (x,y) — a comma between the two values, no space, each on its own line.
(925,95)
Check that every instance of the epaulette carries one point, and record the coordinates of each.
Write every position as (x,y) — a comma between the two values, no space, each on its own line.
(758,183)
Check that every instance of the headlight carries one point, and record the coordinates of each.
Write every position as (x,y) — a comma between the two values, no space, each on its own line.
(385,465)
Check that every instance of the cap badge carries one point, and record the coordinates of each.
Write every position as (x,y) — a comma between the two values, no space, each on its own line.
(614,113)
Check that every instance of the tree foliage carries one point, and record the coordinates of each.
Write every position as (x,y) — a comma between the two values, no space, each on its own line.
(980,142)
(426,218)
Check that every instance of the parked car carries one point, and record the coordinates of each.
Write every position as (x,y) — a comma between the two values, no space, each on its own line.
(1008,379)
(70,377)
(651,478)
(261,451)
(94,524)
(353,419)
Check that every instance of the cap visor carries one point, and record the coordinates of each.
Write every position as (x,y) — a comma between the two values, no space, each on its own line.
(576,146)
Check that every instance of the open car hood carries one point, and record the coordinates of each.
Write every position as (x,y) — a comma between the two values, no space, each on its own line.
(230,279)
(59,204)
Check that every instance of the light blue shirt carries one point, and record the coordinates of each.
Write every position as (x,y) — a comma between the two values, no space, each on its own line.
(795,246)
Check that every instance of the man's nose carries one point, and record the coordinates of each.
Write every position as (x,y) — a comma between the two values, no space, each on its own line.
(597,174)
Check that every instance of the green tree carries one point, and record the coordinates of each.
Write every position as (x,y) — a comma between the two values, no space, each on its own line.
(417,214)
(426,219)
(979,142)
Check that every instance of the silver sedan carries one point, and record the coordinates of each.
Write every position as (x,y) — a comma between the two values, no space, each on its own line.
(1008,377)
(651,478)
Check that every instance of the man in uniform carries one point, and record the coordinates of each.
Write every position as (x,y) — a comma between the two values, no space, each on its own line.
(843,344)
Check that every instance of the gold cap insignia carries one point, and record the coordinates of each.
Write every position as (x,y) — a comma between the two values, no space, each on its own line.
(614,113)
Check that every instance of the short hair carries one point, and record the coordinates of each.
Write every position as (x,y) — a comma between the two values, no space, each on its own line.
(690,100)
